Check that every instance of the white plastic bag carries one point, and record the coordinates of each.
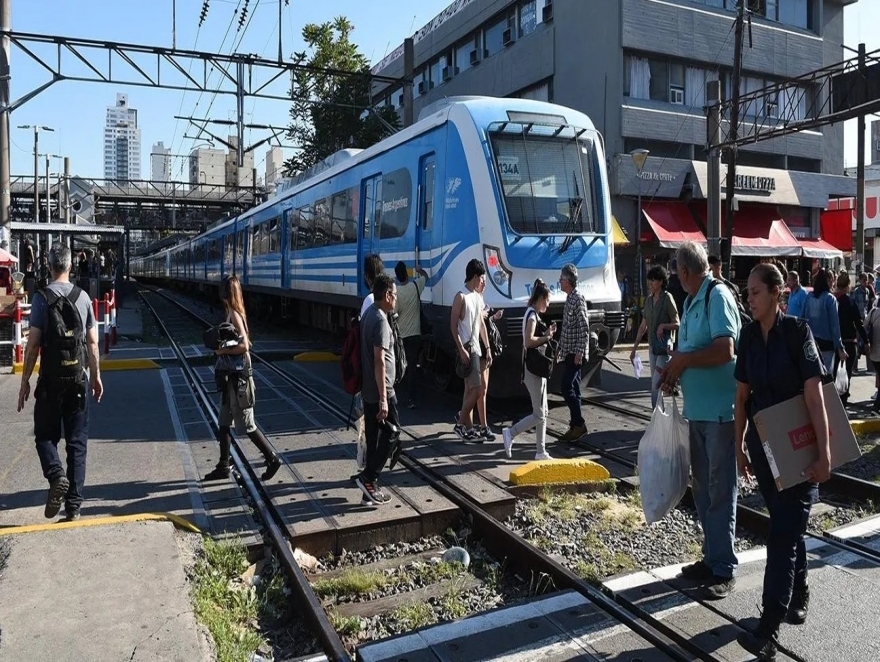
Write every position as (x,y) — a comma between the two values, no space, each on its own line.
(637,366)
(664,461)
(841,382)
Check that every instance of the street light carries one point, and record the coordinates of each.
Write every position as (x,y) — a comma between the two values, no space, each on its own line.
(639,157)
(36,128)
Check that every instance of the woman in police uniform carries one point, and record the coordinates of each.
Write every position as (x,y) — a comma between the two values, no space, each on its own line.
(776,360)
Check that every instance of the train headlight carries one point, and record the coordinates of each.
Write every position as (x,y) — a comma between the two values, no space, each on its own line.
(498,273)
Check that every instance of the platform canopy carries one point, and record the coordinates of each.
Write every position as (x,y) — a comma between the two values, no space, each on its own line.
(64,228)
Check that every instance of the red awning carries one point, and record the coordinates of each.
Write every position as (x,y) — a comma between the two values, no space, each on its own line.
(837,228)
(820,248)
(672,224)
(759,231)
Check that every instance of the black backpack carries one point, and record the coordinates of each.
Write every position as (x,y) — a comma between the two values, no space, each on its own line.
(63,346)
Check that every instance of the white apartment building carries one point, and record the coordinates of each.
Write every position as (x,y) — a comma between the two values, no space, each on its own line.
(235,176)
(274,165)
(160,163)
(122,142)
(207,167)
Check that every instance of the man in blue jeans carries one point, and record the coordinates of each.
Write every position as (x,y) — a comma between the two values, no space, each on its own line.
(574,343)
(704,362)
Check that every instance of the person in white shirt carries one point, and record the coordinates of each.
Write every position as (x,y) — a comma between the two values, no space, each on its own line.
(408,307)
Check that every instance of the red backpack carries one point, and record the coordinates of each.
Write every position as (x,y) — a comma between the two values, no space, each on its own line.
(352,372)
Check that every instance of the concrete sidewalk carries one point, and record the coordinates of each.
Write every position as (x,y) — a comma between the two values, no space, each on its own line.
(113,592)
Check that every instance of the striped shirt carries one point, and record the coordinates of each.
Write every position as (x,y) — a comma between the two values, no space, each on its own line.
(575,338)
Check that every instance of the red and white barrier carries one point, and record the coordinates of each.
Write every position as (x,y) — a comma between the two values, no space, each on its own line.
(16,333)
(113,316)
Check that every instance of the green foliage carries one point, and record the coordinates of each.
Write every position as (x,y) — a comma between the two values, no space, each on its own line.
(328,112)
(352,582)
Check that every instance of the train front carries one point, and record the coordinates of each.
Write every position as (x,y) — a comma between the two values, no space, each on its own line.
(551,191)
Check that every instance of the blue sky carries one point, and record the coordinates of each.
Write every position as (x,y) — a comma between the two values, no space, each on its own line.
(76,110)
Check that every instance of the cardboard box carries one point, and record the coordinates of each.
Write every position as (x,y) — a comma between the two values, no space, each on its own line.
(790,441)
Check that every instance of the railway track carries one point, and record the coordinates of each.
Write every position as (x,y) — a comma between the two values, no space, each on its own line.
(519,556)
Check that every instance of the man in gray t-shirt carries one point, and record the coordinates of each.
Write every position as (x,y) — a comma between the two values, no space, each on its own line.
(57,403)
(381,426)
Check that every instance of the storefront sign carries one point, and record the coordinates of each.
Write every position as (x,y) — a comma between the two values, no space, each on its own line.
(657,176)
(755,184)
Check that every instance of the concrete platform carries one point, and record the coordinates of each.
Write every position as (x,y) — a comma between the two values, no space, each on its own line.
(844,610)
(556,628)
(104,593)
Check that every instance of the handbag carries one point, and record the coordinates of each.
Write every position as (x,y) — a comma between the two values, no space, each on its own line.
(540,360)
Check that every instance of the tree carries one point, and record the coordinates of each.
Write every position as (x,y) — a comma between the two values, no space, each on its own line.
(332,111)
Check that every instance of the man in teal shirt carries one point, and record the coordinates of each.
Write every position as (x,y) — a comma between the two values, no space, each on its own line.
(704,363)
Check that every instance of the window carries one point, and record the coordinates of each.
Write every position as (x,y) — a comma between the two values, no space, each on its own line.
(303,221)
(463,54)
(256,232)
(395,197)
(493,37)
(322,223)
(274,243)
(343,225)
(371,207)
(427,215)
(528,17)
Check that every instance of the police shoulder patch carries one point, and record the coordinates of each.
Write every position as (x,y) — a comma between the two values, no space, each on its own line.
(810,351)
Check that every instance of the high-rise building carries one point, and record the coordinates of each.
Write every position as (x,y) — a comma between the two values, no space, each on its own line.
(207,166)
(274,165)
(239,176)
(122,142)
(160,163)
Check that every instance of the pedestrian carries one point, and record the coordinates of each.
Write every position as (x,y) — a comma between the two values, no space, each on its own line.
(797,296)
(851,329)
(64,334)
(861,294)
(380,403)
(715,269)
(487,355)
(660,321)
(373,266)
(43,272)
(872,351)
(820,311)
(574,343)
(466,325)
(235,381)
(409,308)
(768,373)
(536,334)
(704,362)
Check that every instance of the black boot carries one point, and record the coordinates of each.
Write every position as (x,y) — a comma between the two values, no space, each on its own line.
(273,462)
(797,608)
(221,471)
(762,642)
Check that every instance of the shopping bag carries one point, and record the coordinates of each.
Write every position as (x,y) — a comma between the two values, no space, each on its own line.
(664,461)
(841,382)
(637,366)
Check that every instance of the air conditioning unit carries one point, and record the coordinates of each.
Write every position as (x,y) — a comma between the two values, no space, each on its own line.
(507,37)
(400,101)
(676,96)
(447,73)
(474,59)
(422,87)
(547,12)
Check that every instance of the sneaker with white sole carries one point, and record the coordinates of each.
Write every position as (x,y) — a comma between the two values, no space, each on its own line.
(485,433)
(57,491)
(543,456)
(372,493)
(508,441)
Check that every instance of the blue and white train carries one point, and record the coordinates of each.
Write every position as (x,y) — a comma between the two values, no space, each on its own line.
(522,185)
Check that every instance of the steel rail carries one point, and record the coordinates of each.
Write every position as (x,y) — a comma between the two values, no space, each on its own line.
(305,596)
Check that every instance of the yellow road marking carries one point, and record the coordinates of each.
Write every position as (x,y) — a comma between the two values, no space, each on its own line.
(178,521)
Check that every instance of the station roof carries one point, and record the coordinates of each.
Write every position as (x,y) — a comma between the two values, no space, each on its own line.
(64,228)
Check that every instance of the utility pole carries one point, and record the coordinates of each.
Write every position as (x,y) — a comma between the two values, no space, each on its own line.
(408,69)
(66,207)
(727,245)
(860,178)
(280,26)
(36,128)
(48,193)
(713,136)
(5,176)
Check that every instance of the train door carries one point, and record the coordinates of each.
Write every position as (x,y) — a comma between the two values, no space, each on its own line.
(371,205)
(424,235)
(284,247)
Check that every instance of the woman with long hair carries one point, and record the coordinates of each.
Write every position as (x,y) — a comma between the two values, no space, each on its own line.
(535,334)
(660,320)
(235,381)
(777,360)
(850,328)
(820,311)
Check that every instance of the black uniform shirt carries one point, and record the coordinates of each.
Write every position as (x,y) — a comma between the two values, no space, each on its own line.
(773,370)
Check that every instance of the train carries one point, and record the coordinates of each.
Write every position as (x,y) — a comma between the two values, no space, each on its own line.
(520,184)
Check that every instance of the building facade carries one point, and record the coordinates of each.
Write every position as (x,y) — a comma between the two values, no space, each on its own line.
(238,176)
(122,142)
(160,163)
(639,69)
(274,165)
(207,167)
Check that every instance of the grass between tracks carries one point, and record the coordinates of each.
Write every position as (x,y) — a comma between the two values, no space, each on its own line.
(232,604)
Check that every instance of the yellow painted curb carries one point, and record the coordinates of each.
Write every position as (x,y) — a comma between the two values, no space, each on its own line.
(106,364)
(315,357)
(544,472)
(865,426)
(178,521)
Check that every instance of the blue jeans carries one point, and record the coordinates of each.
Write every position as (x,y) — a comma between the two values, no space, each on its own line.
(54,411)
(713,464)
(786,568)
(571,391)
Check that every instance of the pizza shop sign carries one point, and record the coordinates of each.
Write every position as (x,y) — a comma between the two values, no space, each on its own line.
(755,184)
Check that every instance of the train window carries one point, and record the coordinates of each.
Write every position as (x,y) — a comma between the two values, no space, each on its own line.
(275,235)
(427,210)
(228,242)
(322,223)
(344,217)
(303,219)
(370,206)
(396,194)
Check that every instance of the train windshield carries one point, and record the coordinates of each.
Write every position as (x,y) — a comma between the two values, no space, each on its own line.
(546,175)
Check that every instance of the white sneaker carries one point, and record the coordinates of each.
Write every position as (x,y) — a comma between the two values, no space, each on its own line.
(508,441)
(543,456)
(361,454)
